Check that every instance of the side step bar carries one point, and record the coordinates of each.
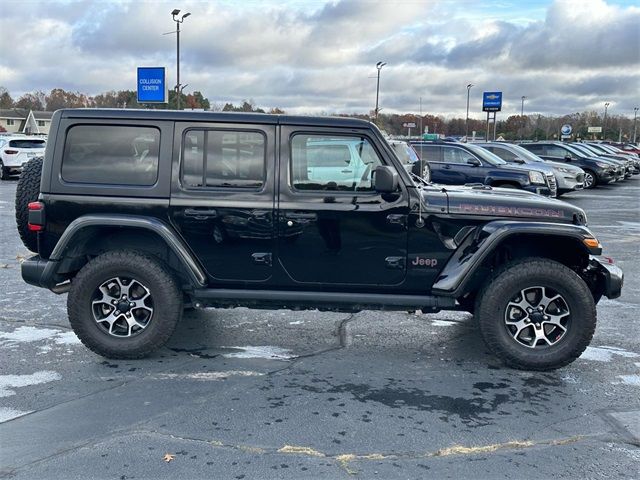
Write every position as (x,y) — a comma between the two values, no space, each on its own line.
(327,300)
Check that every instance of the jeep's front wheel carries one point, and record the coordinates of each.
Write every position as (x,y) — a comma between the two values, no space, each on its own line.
(124,305)
(536,315)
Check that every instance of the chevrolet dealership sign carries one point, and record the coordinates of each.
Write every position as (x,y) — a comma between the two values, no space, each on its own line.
(491,101)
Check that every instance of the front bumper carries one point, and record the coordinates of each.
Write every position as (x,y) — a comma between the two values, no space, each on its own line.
(606,176)
(568,183)
(609,277)
(539,189)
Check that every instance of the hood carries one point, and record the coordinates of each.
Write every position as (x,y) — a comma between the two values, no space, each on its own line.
(520,168)
(494,202)
(568,166)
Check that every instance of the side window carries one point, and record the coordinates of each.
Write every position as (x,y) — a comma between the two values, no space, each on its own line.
(429,153)
(340,163)
(537,149)
(456,155)
(223,158)
(555,151)
(111,154)
(503,153)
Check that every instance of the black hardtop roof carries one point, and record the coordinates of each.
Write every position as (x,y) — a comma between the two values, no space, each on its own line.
(222,117)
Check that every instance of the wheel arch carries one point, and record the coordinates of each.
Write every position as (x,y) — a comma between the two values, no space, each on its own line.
(500,242)
(91,235)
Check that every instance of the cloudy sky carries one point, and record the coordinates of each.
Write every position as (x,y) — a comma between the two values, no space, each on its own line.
(319,56)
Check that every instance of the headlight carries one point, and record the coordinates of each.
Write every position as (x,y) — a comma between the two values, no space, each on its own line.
(563,170)
(602,164)
(536,178)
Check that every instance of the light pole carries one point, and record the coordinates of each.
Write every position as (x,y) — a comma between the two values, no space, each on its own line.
(466,123)
(604,122)
(635,120)
(522,98)
(174,15)
(379,66)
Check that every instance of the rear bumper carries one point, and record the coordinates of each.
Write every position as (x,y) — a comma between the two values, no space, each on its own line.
(610,277)
(42,273)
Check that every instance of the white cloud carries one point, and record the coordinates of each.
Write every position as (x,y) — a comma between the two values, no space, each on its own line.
(320,56)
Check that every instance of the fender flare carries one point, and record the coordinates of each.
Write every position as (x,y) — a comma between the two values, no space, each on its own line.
(166,233)
(482,241)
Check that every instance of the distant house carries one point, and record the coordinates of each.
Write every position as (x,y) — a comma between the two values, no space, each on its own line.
(21,120)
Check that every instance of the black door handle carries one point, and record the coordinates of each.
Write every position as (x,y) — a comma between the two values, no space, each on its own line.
(346,171)
(200,212)
(447,167)
(261,258)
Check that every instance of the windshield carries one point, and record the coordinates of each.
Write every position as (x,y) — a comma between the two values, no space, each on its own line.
(575,151)
(486,155)
(405,153)
(26,143)
(584,149)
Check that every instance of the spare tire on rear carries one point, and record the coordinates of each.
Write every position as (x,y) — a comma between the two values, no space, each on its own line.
(27,191)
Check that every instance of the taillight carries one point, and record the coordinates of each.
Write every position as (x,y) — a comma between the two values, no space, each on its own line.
(36,216)
(11,152)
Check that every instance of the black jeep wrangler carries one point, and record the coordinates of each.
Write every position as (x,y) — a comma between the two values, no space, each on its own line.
(139,214)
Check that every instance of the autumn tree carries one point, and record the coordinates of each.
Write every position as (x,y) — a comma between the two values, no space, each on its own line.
(32,101)
(5,98)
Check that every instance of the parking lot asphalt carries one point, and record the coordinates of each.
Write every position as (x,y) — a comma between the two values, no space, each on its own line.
(243,394)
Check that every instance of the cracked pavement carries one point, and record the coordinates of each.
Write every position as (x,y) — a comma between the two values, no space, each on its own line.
(243,394)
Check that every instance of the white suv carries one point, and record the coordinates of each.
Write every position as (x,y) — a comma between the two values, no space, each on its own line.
(15,151)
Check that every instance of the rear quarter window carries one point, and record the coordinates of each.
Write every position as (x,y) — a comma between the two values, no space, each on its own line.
(111,154)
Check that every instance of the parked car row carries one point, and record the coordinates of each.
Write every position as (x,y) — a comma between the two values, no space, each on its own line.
(602,164)
(548,168)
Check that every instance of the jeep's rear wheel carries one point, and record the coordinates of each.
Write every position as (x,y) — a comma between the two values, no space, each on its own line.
(536,315)
(124,305)
(27,191)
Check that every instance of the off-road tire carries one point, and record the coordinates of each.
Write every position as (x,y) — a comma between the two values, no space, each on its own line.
(27,191)
(492,302)
(163,287)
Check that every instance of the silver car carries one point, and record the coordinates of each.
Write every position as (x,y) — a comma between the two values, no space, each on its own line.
(568,177)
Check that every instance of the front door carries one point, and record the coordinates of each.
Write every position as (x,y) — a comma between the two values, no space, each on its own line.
(333,228)
(222,198)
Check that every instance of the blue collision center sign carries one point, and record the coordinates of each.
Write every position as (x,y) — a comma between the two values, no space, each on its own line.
(152,85)
(491,101)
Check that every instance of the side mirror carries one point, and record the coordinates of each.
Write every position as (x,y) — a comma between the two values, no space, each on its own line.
(385,179)
(568,157)
(518,160)
(474,162)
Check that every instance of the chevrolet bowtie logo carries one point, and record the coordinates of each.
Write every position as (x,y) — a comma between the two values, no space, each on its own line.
(492,96)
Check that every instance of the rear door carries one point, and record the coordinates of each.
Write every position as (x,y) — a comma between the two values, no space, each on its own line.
(222,197)
(432,154)
(336,231)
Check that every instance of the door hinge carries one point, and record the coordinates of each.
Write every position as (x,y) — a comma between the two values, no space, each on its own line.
(397,219)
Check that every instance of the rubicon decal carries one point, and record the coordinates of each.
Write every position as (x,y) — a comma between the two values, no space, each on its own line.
(505,210)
